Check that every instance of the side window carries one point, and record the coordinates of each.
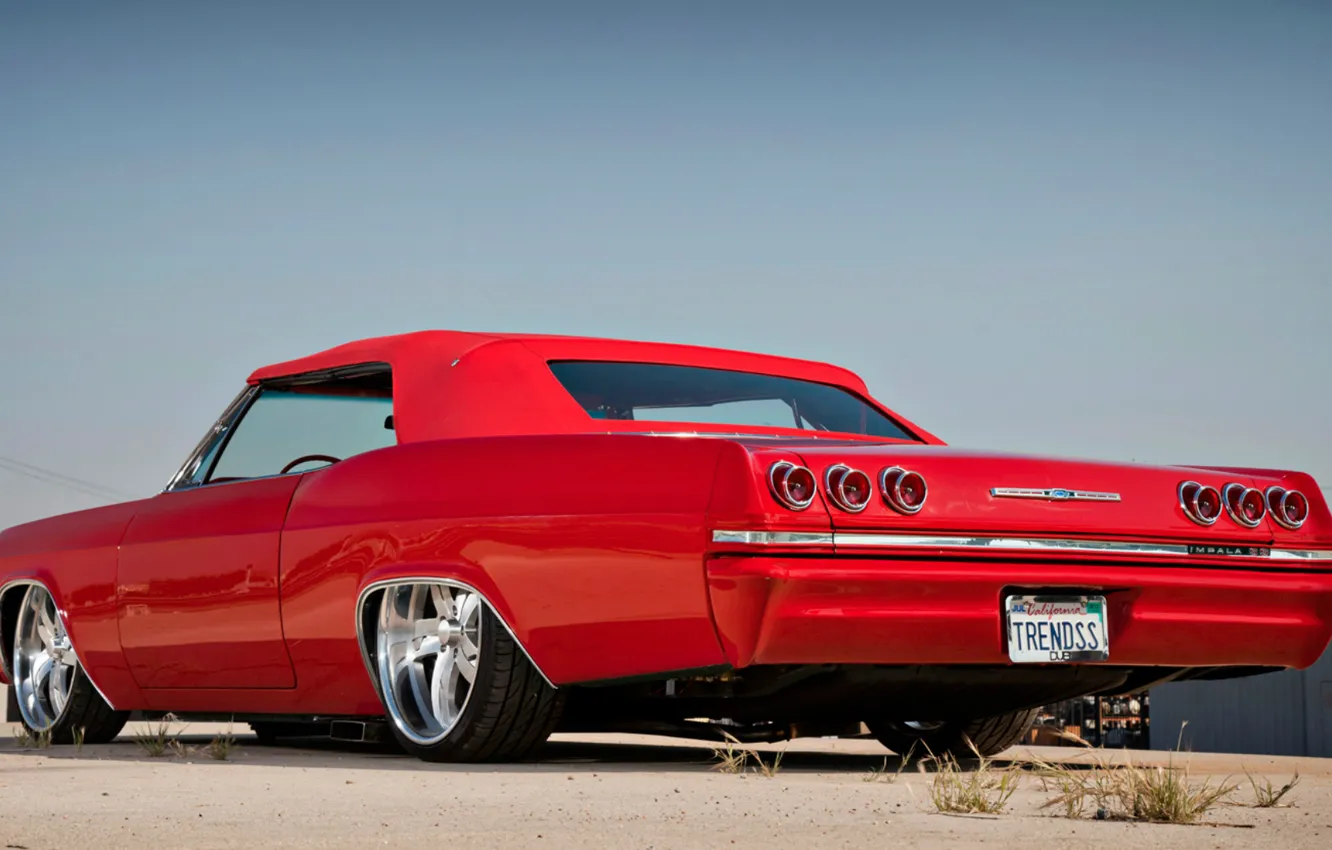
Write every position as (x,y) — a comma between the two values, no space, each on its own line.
(315,424)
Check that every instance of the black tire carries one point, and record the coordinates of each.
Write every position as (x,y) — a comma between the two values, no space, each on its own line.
(989,735)
(509,714)
(87,711)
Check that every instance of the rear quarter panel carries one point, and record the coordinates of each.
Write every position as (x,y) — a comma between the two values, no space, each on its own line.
(590,547)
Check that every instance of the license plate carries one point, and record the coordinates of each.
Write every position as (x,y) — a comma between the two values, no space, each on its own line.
(1046,629)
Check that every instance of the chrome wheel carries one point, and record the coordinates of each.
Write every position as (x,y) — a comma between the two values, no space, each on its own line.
(428,648)
(44,661)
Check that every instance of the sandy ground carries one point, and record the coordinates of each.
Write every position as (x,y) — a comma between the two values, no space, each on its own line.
(606,791)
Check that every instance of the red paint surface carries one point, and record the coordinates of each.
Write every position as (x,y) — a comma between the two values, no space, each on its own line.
(593,554)
(596,547)
(198,588)
(74,555)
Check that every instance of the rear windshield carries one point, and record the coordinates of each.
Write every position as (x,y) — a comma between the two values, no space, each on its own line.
(650,392)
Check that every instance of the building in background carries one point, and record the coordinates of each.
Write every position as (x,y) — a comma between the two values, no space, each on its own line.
(1118,722)
(1286,714)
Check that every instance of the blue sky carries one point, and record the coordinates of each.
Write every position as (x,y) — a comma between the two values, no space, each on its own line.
(1096,229)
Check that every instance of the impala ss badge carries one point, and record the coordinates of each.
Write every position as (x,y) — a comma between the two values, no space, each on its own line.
(1053,495)
(1235,551)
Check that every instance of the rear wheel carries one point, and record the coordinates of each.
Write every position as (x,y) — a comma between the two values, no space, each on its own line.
(55,696)
(455,684)
(990,736)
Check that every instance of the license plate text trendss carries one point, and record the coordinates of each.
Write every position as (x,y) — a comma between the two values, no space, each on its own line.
(1045,629)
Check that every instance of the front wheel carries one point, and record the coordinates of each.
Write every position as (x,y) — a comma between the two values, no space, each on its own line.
(455,684)
(55,696)
(989,736)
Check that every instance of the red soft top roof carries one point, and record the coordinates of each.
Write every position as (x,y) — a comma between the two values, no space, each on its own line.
(447,346)
(503,385)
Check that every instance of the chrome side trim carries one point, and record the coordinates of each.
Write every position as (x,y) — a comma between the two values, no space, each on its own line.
(1025,544)
(1302,554)
(64,619)
(1010,544)
(773,538)
(389,582)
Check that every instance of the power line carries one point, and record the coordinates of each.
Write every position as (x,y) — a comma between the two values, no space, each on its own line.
(87,492)
(59,479)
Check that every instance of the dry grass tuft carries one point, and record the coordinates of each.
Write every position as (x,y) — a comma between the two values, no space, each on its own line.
(79,734)
(1134,793)
(159,740)
(733,757)
(1268,796)
(221,747)
(881,774)
(982,790)
(769,769)
(29,740)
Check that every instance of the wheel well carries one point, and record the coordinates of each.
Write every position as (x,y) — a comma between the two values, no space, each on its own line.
(368,609)
(10,603)
(366,614)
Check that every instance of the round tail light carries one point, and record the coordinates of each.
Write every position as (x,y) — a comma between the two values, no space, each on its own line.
(849,489)
(1289,508)
(904,491)
(1201,503)
(794,486)
(1246,505)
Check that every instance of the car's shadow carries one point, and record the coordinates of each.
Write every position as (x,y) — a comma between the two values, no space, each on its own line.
(558,756)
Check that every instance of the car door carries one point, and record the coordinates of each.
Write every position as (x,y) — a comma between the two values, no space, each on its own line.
(198,587)
(198,591)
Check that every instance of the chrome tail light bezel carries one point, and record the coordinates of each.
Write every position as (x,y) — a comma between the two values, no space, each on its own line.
(1233,496)
(1278,511)
(890,485)
(779,477)
(1189,493)
(834,481)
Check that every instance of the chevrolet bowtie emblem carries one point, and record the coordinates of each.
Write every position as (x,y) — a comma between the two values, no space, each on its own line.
(1053,495)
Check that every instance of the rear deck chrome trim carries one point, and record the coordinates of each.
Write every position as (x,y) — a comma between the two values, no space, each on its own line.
(1023,544)
(853,540)
(773,538)
(1302,555)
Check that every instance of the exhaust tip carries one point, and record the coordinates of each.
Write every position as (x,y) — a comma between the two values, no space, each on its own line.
(359,731)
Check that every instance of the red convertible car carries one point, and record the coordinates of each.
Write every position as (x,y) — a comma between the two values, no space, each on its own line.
(473,540)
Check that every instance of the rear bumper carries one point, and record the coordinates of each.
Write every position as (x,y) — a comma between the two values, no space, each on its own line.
(830,610)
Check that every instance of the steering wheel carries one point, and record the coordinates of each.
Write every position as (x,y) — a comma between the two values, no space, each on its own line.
(306,459)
